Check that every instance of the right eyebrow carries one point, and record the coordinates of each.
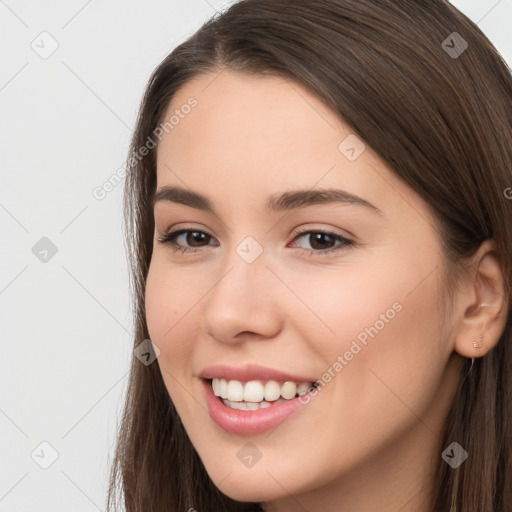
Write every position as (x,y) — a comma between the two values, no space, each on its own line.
(183,196)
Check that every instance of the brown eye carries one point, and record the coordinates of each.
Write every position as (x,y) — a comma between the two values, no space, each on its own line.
(195,237)
(321,242)
(193,240)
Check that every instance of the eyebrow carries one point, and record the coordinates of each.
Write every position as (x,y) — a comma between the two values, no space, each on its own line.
(278,202)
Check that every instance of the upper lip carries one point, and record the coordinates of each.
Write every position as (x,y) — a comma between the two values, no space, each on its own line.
(250,372)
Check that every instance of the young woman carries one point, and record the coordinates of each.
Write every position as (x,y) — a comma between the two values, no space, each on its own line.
(319,220)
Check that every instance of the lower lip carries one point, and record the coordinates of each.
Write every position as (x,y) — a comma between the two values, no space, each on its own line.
(247,423)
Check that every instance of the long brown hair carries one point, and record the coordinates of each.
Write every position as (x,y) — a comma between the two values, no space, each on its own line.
(440,116)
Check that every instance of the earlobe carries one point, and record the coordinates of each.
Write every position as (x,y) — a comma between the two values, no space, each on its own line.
(484,309)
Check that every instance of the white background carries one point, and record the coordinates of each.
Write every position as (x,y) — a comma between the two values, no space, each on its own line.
(65,125)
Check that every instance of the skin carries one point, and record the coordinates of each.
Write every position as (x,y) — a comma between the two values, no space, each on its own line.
(370,439)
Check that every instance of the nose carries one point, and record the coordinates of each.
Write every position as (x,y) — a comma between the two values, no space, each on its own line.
(243,305)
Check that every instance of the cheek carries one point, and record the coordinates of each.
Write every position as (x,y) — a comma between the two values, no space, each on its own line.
(170,297)
(158,307)
(377,336)
(169,294)
(169,306)
(370,323)
(338,305)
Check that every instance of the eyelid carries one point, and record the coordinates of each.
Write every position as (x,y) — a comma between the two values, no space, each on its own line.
(187,227)
(301,229)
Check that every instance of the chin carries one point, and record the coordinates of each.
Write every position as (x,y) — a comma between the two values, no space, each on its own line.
(251,484)
(252,491)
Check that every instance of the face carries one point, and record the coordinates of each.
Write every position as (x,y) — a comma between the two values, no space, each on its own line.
(345,292)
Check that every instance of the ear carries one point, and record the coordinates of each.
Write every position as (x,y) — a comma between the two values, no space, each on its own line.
(482,304)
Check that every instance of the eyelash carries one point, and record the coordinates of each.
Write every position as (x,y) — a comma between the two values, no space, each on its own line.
(169,237)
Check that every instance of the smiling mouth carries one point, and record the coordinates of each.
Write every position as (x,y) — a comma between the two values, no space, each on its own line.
(257,394)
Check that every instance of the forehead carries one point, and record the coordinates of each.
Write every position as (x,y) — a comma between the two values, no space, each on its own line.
(252,136)
(254,116)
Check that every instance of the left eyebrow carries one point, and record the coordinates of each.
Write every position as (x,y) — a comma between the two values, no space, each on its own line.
(301,198)
(278,202)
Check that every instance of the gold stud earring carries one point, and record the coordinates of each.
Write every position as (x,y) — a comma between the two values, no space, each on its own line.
(478,344)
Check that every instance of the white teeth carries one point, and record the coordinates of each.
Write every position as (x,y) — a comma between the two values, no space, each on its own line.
(289,390)
(254,391)
(250,406)
(272,390)
(235,391)
(220,387)
(238,405)
(223,388)
(303,388)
